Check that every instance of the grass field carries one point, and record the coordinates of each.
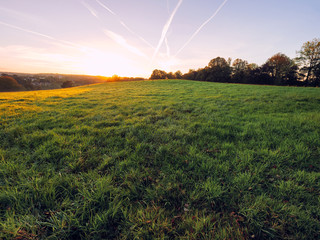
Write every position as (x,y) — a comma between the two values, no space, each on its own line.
(167,159)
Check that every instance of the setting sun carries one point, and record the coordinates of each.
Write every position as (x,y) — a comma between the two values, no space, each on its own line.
(92,61)
(104,64)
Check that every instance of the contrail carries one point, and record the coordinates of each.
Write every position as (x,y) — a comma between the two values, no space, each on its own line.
(62,42)
(199,29)
(167,45)
(166,28)
(105,7)
(90,9)
(124,25)
(27,30)
(137,35)
(122,41)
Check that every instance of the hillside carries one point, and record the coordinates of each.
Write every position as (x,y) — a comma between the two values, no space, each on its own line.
(166,159)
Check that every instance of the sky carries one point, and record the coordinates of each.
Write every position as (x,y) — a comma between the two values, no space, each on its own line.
(131,38)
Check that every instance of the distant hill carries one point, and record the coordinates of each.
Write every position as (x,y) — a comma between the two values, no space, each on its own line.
(44,81)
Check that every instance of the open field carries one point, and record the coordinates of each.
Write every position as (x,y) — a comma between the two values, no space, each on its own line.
(167,159)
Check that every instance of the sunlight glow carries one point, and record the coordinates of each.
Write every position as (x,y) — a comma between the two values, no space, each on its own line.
(105,64)
(168,64)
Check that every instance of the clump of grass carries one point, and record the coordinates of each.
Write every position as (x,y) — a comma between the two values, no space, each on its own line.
(160,160)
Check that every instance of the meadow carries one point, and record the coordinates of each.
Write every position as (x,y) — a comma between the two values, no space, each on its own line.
(163,159)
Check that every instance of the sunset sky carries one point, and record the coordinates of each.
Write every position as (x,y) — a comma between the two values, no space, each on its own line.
(131,38)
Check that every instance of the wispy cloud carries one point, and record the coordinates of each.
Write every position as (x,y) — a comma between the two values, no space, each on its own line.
(19,15)
(90,9)
(123,42)
(202,25)
(31,59)
(166,28)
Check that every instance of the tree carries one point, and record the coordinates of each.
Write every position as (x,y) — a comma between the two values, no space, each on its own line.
(281,68)
(218,70)
(257,75)
(218,62)
(67,84)
(115,78)
(178,74)
(309,58)
(202,74)
(239,65)
(8,83)
(317,75)
(158,74)
(252,66)
(239,71)
(170,75)
(191,75)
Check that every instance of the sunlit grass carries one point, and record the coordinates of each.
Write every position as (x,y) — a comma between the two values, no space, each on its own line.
(12,103)
(161,160)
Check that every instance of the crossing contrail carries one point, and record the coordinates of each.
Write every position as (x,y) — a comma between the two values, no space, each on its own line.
(124,25)
(166,28)
(205,23)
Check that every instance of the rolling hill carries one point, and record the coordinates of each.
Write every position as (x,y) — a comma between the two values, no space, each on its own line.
(163,159)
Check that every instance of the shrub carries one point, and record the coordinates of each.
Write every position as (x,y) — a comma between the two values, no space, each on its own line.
(9,84)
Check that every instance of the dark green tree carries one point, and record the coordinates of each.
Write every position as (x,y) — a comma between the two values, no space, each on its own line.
(158,74)
(317,75)
(67,84)
(170,75)
(191,75)
(240,71)
(202,74)
(218,70)
(178,74)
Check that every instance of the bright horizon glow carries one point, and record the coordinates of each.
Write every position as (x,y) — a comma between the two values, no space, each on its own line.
(104,37)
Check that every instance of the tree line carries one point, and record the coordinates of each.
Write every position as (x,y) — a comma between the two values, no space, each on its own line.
(279,69)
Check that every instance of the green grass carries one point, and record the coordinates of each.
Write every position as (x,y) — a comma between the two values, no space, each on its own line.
(160,160)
